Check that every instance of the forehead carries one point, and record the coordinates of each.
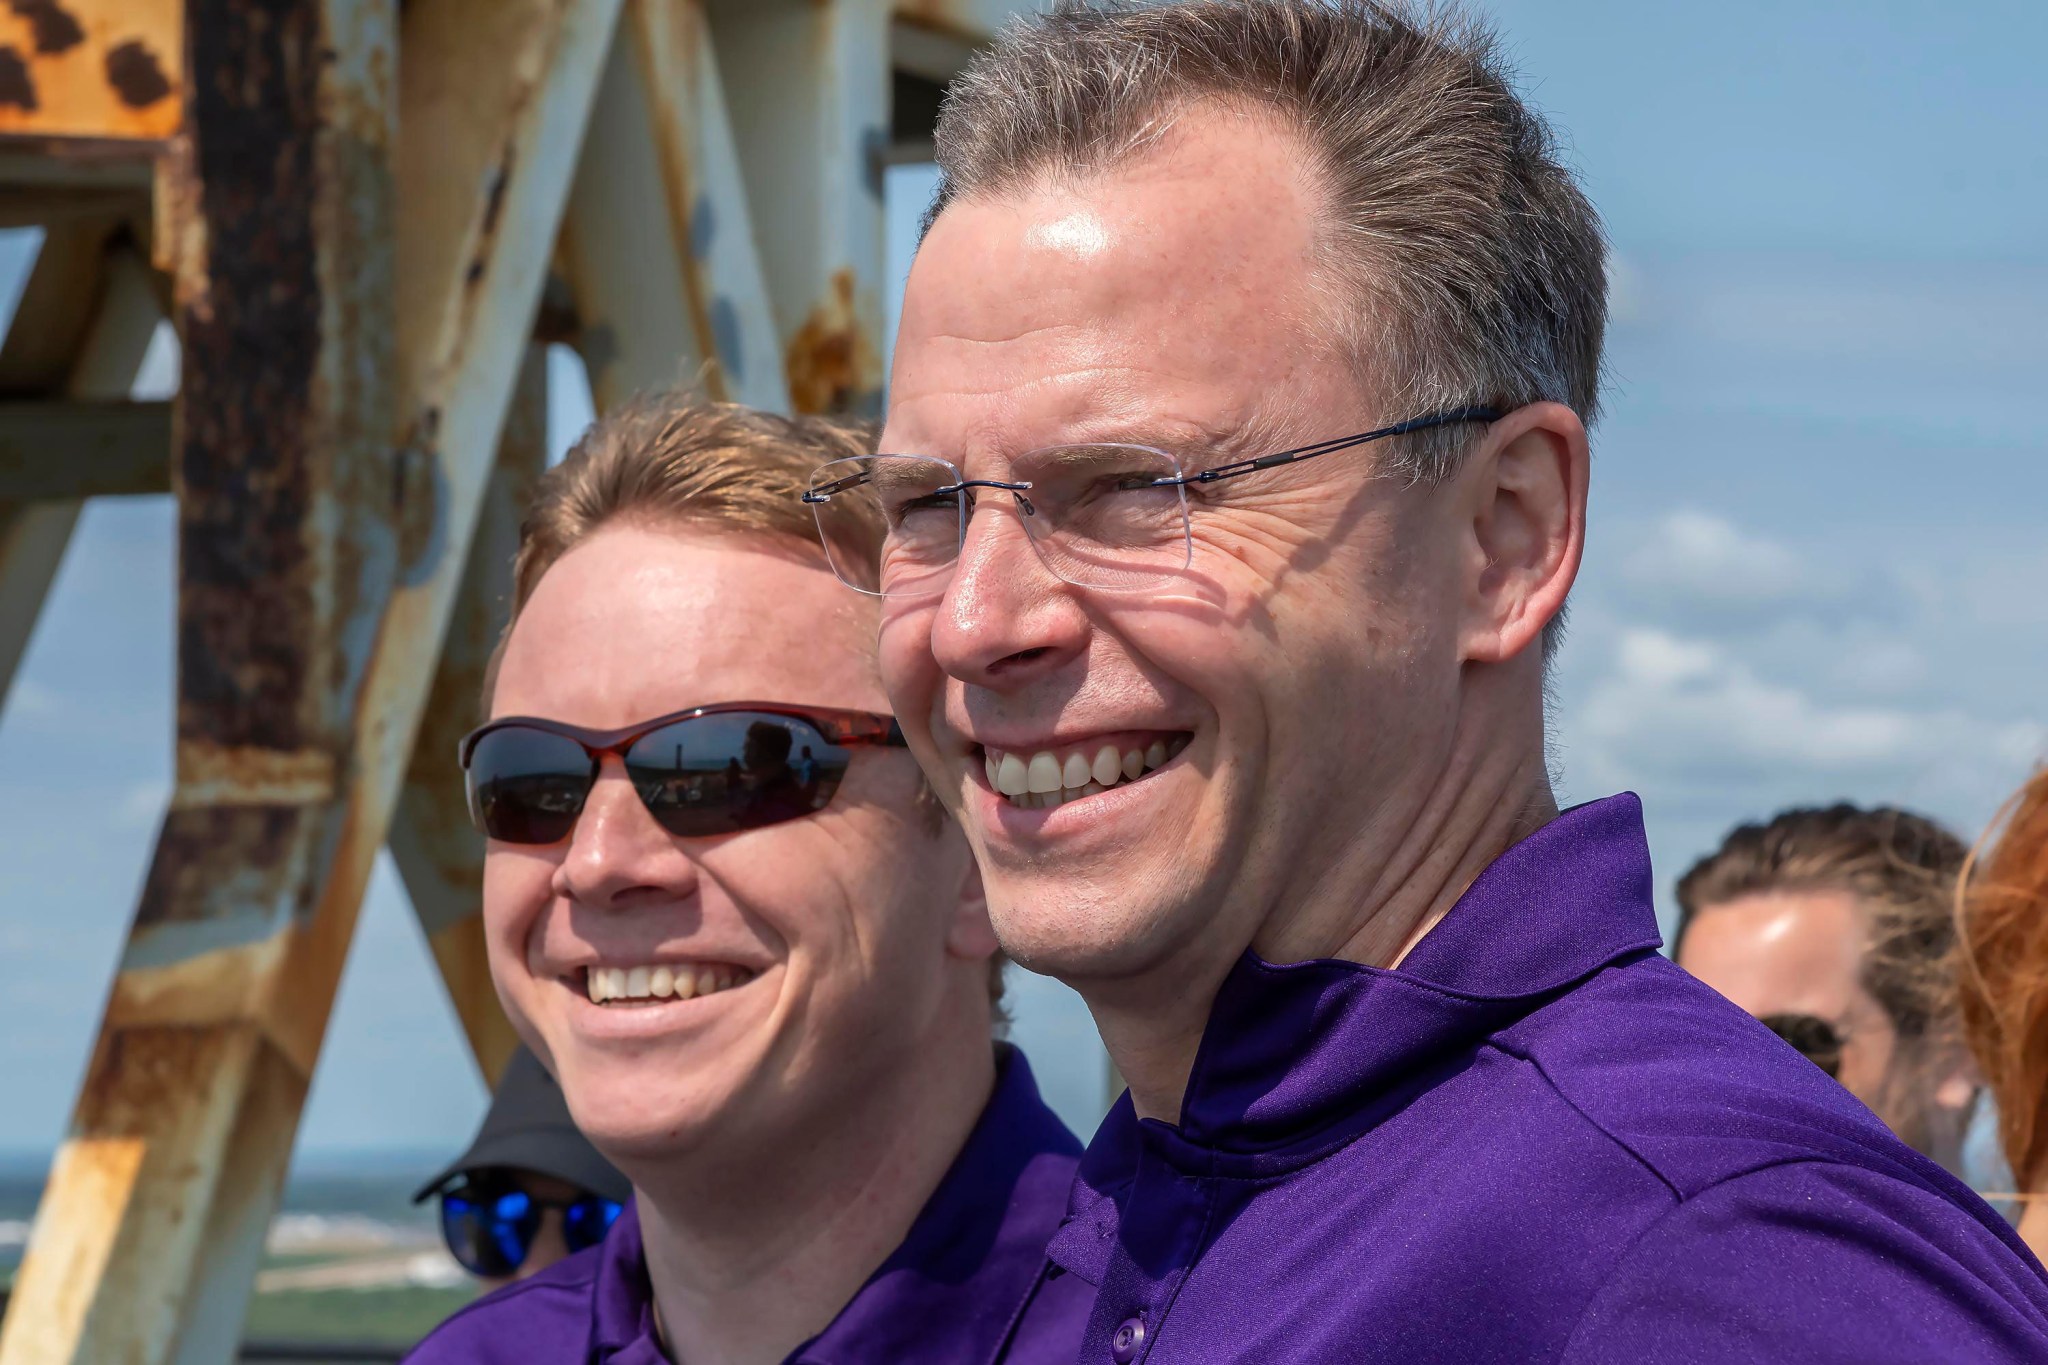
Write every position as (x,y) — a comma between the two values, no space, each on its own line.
(1177,292)
(638,621)
(1780,952)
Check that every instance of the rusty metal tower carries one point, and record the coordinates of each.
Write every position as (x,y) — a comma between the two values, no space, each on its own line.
(363,217)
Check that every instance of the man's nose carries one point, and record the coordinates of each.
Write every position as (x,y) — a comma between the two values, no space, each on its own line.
(618,855)
(1005,618)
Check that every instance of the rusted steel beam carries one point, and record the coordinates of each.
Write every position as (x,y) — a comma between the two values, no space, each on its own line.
(807,82)
(72,450)
(92,292)
(110,70)
(667,286)
(320,560)
(438,852)
(284,296)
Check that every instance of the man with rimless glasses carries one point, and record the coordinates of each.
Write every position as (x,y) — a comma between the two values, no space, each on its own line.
(1236,476)
(725,912)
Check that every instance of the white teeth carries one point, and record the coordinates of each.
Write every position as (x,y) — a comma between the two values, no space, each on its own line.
(661,981)
(1045,780)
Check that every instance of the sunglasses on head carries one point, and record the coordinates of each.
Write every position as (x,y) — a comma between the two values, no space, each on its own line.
(490,1225)
(706,771)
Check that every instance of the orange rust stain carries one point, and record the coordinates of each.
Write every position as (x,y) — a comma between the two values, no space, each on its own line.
(832,365)
(206,990)
(948,16)
(90,1186)
(104,69)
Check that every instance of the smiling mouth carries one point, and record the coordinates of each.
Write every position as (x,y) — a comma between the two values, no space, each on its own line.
(659,981)
(1053,777)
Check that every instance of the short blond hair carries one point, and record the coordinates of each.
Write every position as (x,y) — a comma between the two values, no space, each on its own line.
(669,459)
(665,458)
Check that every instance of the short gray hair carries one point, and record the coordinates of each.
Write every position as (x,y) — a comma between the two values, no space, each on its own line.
(1475,266)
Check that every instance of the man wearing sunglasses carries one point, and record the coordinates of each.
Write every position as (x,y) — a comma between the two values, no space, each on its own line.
(531,1189)
(724,910)
(1835,926)
(1236,478)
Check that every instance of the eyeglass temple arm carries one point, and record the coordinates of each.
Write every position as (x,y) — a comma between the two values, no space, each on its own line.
(860,727)
(1309,452)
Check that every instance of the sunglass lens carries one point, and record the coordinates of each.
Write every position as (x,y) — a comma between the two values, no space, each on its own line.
(585,1222)
(490,1236)
(1817,1039)
(527,786)
(734,770)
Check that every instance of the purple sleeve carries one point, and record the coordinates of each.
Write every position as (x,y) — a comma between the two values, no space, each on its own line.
(1817,1262)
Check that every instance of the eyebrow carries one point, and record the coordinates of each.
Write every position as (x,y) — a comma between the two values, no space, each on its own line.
(1196,445)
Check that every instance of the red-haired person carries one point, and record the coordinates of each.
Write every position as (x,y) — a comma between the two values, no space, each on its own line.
(2004,952)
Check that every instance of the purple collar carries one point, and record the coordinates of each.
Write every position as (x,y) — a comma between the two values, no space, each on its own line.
(1299,1059)
(959,1281)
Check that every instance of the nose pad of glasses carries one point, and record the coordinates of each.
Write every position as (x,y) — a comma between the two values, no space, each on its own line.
(996,548)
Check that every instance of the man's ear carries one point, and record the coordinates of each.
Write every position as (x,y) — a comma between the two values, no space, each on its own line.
(1523,504)
(970,935)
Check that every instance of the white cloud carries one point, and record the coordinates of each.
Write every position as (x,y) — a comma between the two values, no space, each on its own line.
(1676,711)
(1698,559)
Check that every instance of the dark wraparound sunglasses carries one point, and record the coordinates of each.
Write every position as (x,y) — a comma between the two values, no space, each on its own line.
(706,771)
(490,1226)
(1816,1039)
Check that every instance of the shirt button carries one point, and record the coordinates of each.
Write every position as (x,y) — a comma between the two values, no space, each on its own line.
(1128,1340)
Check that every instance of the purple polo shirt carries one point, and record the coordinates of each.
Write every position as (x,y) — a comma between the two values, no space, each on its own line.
(1536,1140)
(969,1285)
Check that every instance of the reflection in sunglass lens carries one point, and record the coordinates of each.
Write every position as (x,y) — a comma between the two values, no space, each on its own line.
(1815,1038)
(489,1234)
(527,786)
(734,770)
(585,1222)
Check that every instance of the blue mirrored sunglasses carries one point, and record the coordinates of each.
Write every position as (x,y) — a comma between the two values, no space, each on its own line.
(490,1230)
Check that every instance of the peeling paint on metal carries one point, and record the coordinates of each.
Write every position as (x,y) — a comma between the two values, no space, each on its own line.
(874,158)
(136,75)
(725,335)
(17,86)
(56,29)
(248,625)
(108,70)
(703,226)
(833,365)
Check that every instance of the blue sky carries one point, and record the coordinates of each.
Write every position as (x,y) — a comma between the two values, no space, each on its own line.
(1818,567)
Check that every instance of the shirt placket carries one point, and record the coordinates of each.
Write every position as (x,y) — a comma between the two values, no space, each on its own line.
(1152,1256)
